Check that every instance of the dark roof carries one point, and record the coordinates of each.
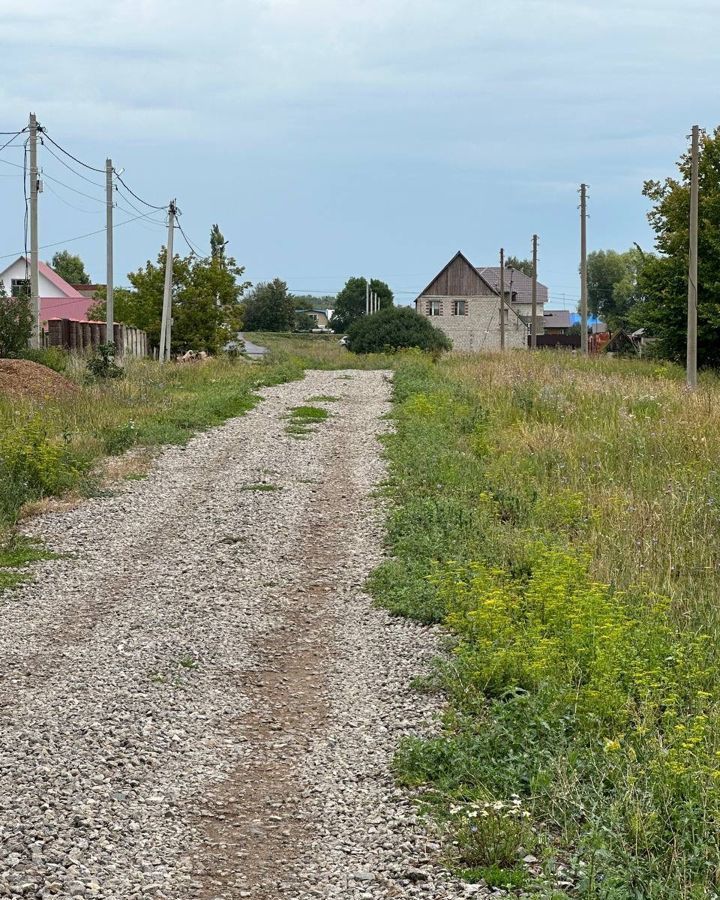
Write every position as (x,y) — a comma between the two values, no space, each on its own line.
(521,283)
(557,318)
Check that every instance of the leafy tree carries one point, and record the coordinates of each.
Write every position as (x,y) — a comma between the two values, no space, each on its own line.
(350,302)
(207,301)
(393,328)
(269,307)
(16,322)
(522,265)
(70,267)
(217,243)
(663,279)
(613,287)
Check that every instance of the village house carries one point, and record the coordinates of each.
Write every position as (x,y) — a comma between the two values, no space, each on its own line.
(58,299)
(464,302)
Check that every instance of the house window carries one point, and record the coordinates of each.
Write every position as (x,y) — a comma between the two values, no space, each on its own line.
(434,308)
(20,287)
(459,307)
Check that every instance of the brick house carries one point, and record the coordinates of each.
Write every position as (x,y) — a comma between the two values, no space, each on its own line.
(464,302)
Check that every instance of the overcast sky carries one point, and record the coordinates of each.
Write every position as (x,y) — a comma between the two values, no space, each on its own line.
(331,138)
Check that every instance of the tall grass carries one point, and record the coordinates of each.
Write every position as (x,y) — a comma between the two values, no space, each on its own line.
(50,447)
(561,517)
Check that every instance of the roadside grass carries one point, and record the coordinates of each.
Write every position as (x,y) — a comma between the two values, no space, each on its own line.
(17,552)
(561,517)
(51,448)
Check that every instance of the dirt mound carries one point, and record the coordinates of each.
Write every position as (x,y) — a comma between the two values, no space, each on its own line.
(29,380)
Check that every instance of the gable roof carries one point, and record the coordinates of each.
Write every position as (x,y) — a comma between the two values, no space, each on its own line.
(460,257)
(557,318)
(52,276)
(521,283)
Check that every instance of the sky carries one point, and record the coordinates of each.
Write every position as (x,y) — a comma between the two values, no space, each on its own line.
(332,138)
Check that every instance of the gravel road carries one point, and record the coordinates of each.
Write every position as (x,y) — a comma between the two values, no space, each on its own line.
(197,700)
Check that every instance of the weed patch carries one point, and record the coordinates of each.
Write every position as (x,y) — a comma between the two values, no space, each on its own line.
(568,542)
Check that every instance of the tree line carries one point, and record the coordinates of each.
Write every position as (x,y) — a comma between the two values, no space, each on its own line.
(636,288)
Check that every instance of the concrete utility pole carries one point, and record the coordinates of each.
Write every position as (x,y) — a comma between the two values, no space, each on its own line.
(533,307)
(502,298)
(583,271)
(693,268)
(36,337)
(109,291)
(166,323)
(367,298)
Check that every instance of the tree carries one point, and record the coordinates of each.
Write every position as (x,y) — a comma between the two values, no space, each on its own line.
(269,307)
(70,267)
(663,279)
(613,284)
(522,265)
(393,328)
(16,322)
(350,302)
(207,301)
(217,243)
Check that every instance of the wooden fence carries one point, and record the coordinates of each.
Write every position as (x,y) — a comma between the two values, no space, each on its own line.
(79,337)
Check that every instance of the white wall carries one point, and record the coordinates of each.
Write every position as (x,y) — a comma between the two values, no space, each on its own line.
(17,270)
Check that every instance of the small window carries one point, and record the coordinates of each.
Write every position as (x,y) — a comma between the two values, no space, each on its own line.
(20,287)
(434,308)
(459,308)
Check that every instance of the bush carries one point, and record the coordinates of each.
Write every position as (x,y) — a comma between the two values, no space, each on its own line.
(395,328)
(16,322)
(102,363)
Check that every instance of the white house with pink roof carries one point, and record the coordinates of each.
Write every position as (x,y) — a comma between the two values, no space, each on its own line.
(58,299)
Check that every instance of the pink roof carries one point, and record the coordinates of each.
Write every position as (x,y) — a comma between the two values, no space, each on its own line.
(59,282)
(73,305)
(59,308)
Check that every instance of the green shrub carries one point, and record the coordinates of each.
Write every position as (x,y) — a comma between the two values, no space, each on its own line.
(395,328)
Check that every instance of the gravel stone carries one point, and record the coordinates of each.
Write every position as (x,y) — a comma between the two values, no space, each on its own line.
(197,699)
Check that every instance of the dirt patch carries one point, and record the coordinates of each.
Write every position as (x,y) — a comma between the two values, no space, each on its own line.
(21,378)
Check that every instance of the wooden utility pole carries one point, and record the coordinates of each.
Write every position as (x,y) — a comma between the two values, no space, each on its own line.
(109,292)
(502,298)
(693,267)
(583,271)
(36,337)
(533,308)
(166,323)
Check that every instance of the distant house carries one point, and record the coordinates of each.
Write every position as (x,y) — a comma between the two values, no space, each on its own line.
(58,299)
(464,302)
(557,321)
(320,316)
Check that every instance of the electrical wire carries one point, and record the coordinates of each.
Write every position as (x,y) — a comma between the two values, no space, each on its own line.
(41,130)
(92,212)
(192,248)
(74,190)
(7,143)
(77,237)
(70,168)
(139,199)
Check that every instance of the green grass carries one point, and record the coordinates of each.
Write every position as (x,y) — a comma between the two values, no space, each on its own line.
(323,398)
(261,486)
(17,552)
(561,517)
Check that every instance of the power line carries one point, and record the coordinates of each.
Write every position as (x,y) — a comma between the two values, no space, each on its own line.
(67,153)
(77,237)
(70,168)
(71,188)
(60,197)
(140,199)
(7,143)
(187,241)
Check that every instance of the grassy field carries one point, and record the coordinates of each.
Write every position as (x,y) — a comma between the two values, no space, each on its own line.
(51,448)
(562,518)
